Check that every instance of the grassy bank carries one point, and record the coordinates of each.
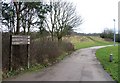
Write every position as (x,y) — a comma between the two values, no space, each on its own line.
(103,56)
(87,41)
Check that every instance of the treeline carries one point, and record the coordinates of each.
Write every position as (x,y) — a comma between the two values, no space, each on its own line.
(108,33)
(86,34)
(57,18)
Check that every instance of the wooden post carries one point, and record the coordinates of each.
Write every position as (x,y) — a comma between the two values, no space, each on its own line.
(11,59)
(28,57)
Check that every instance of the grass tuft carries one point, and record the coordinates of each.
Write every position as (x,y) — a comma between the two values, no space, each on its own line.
(103,55)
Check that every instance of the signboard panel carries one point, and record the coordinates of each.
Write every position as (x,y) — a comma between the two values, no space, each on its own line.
(20,40)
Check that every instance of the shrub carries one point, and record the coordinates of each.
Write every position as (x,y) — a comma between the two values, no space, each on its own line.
(67,46)
(44,50)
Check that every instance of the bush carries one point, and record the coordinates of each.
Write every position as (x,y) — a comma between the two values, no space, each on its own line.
(109,34)
(45,51)
(42,51)
(110,37)
(67,46)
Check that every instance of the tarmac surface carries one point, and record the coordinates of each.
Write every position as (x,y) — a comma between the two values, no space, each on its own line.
(81,65)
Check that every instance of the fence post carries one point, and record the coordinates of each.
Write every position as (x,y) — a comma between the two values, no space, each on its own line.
(28,57)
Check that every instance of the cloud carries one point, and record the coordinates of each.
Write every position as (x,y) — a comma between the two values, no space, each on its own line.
(98,14)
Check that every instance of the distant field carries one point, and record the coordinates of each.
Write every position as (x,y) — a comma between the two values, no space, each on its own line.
(86,41)
(103,56)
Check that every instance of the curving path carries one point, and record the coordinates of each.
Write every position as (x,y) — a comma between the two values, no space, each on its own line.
(81,65)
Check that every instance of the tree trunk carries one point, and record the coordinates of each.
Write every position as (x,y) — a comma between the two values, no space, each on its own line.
(28,28)
(52,36)
(24,29)
(52,33)
(59,39)
(18,18)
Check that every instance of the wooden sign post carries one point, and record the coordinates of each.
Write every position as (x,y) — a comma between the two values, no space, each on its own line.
(21,40)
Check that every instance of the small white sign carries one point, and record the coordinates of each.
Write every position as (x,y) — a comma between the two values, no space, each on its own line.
(20,40)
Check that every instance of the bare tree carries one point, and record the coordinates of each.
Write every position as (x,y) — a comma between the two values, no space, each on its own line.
(62,15)
(51,19)
(66,16)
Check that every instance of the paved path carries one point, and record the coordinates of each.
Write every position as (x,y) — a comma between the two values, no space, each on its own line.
(82,65)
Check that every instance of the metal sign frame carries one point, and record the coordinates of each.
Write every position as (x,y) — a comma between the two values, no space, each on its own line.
(20,40)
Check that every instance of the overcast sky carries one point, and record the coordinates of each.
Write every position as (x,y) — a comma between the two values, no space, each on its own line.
(97,14)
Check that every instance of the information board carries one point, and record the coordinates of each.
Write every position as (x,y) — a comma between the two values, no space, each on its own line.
(20,40)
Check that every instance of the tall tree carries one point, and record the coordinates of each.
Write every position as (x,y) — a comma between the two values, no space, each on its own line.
(42,11)
(51,19)
(34,14)
(66,18)
(62,15)
(8,15)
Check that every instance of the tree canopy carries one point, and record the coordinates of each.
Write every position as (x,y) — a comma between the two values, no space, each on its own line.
(58,18)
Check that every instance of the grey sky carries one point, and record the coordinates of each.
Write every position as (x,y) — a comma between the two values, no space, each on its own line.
(97,14)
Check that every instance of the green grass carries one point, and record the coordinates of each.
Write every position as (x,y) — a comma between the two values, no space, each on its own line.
(103,56)
(61,57)
(87,41)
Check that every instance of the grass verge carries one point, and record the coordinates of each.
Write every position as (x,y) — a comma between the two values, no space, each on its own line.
(103,55)
(87,41)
